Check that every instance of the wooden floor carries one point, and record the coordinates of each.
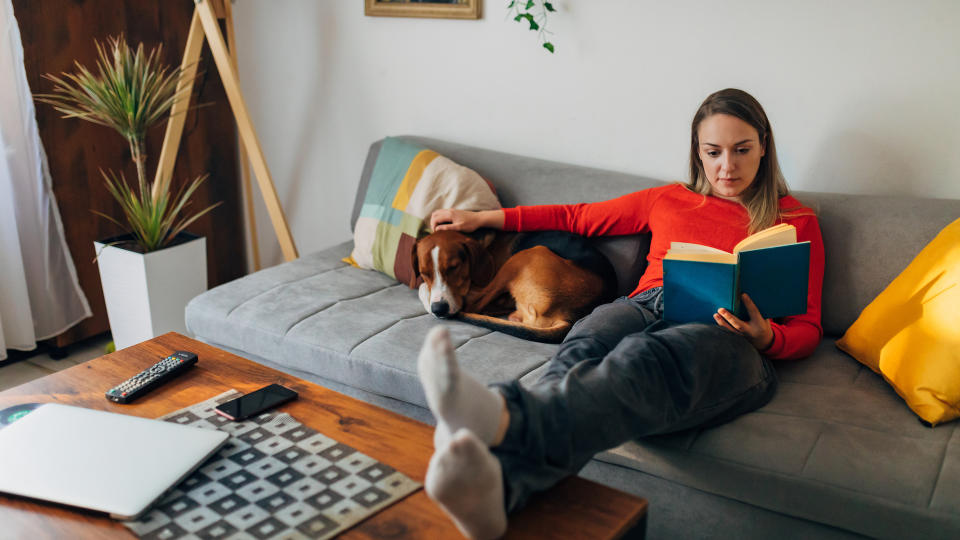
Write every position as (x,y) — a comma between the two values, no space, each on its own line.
(16,372)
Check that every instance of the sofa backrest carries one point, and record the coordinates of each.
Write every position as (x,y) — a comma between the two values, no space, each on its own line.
(868,239)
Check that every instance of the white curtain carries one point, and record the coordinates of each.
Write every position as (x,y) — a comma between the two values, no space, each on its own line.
(40,296)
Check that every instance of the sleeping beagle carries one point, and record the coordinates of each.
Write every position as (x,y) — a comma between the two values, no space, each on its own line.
(543,282)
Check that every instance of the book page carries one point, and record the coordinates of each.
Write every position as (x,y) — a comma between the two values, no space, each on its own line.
(778,235)
(700,256)
(689,247)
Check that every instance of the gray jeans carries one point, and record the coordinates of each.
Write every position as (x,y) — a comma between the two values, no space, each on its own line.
(623,373)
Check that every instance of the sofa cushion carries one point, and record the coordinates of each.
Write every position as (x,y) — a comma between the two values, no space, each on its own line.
(357,327)
(835,445)
(910,334)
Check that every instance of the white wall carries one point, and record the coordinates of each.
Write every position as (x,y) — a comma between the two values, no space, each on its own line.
(864,95)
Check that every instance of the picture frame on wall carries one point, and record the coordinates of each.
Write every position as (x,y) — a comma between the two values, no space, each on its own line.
(437,9)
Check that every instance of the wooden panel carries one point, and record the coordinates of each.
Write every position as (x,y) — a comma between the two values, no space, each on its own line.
(57,32)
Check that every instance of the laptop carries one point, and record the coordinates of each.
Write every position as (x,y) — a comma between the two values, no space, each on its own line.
(101,461)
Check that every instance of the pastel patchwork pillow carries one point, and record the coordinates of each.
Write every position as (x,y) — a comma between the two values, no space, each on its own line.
(910,334)
(407,184)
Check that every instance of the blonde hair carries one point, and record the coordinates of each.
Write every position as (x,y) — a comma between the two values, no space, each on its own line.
(762,198)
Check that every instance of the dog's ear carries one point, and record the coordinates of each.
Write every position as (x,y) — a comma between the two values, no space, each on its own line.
(487,238)
(484,236)
(481,262)
(415,278)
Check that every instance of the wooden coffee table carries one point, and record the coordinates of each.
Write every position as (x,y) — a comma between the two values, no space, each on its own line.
(575,508)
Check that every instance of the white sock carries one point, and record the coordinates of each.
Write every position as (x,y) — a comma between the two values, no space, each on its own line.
(465,480)
(456,399)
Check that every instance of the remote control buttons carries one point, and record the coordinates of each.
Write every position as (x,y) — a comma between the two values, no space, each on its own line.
(149,378)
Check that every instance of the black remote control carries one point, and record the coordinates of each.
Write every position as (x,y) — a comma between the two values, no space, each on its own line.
(153,376)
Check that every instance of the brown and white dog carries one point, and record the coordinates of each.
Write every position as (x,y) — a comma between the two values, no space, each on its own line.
(543,282)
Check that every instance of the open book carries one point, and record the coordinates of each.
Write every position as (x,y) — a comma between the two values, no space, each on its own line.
(770,266)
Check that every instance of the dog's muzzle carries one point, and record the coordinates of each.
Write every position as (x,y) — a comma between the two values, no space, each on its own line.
(440,309)
(437,305)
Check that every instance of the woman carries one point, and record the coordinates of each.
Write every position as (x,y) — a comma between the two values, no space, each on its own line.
(622,372)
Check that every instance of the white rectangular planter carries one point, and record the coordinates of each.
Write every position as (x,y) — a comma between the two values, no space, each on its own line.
(146,293)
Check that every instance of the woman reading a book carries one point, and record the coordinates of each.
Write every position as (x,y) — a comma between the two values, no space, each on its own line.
(623,372)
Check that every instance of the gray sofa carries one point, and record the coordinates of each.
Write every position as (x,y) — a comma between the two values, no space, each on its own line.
(835,454)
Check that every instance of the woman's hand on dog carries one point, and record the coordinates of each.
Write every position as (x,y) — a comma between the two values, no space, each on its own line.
(757,329)
(450,219)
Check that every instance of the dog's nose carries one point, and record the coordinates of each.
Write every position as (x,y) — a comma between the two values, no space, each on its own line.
(440,309)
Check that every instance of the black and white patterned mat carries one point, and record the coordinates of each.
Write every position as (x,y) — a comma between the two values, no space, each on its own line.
(274,478)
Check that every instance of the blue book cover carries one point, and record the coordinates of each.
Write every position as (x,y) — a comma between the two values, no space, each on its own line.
(694,290)
(775,278)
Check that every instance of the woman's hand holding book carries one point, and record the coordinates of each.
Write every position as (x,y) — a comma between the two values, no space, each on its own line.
(757,330)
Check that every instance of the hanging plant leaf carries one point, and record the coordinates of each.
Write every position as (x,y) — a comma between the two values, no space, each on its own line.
(529,18)
(535,13)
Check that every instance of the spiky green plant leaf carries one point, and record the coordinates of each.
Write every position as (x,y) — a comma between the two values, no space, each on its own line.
(131,91)
(153,222)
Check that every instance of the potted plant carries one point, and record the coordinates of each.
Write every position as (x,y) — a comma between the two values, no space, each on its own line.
(149,273)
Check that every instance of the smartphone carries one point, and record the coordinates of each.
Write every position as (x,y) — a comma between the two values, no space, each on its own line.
(255,402)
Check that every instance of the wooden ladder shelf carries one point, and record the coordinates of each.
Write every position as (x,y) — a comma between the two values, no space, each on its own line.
(205,25)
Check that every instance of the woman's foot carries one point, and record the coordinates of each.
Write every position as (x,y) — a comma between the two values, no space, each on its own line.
(456,399)
(464,479)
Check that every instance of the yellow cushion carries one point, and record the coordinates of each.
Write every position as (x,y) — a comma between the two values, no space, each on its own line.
(910,334)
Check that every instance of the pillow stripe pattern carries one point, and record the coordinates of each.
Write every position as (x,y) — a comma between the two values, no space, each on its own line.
(407,184)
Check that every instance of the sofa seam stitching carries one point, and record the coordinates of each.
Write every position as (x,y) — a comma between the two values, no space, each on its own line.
(531,370)
(332,304)
(471,338)
(787,381)
(786,476)
(839,423)
(277,286)
(522,374)
(943,461)
(378,332)
(813,447)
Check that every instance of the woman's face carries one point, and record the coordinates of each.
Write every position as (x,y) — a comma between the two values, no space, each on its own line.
(730,150)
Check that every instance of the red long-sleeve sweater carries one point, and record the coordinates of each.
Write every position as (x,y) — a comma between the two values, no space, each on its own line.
(675,214)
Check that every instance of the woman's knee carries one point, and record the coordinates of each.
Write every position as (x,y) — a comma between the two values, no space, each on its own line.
(691,356)
(611,322)
(595,335)
(693,378)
